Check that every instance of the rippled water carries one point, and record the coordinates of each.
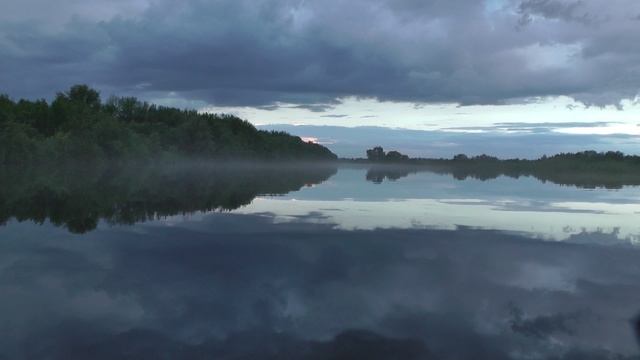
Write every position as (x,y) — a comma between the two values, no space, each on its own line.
(334,263)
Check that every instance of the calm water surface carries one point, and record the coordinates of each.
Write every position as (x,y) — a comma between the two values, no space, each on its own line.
(325,263)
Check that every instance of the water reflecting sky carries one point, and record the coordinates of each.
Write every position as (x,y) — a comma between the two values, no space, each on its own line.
(428,200)
(423,267)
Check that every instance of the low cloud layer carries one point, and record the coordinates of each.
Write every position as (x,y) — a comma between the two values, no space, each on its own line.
(310,53)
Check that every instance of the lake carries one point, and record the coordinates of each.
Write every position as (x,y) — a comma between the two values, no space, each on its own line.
(316,261)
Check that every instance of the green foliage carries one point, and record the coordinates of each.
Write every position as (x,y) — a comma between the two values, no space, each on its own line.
(394,156)
(377,154)
(77,126)
(16,143)
(587,169)
(6,109)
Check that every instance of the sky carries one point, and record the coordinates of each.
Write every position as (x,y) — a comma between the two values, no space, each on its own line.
(437,66)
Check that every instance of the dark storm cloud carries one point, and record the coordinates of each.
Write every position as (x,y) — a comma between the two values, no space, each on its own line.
(261,53)
(540,127)
(335,116)
(555,9)
(543,326)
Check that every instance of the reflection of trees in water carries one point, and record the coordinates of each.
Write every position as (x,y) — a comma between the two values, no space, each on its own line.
(589,179)
(582,179)
(378,173)
(78,198)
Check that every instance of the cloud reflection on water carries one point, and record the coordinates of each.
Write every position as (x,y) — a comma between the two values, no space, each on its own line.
(244,286)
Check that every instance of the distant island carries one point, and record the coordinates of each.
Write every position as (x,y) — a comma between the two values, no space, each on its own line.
(588,169)
(78,126)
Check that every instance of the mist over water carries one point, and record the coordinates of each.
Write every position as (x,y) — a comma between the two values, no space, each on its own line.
(79,197)
(314,261)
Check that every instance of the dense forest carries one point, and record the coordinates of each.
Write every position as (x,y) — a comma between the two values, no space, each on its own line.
(587,169)
(78,126)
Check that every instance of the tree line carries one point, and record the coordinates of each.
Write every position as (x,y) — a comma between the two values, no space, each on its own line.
(78,126)
(589,169)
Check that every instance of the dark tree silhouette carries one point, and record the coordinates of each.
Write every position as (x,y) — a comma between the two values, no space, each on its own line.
(588,169)
(78,126)
(375,154)
(394,156)
(378,155)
